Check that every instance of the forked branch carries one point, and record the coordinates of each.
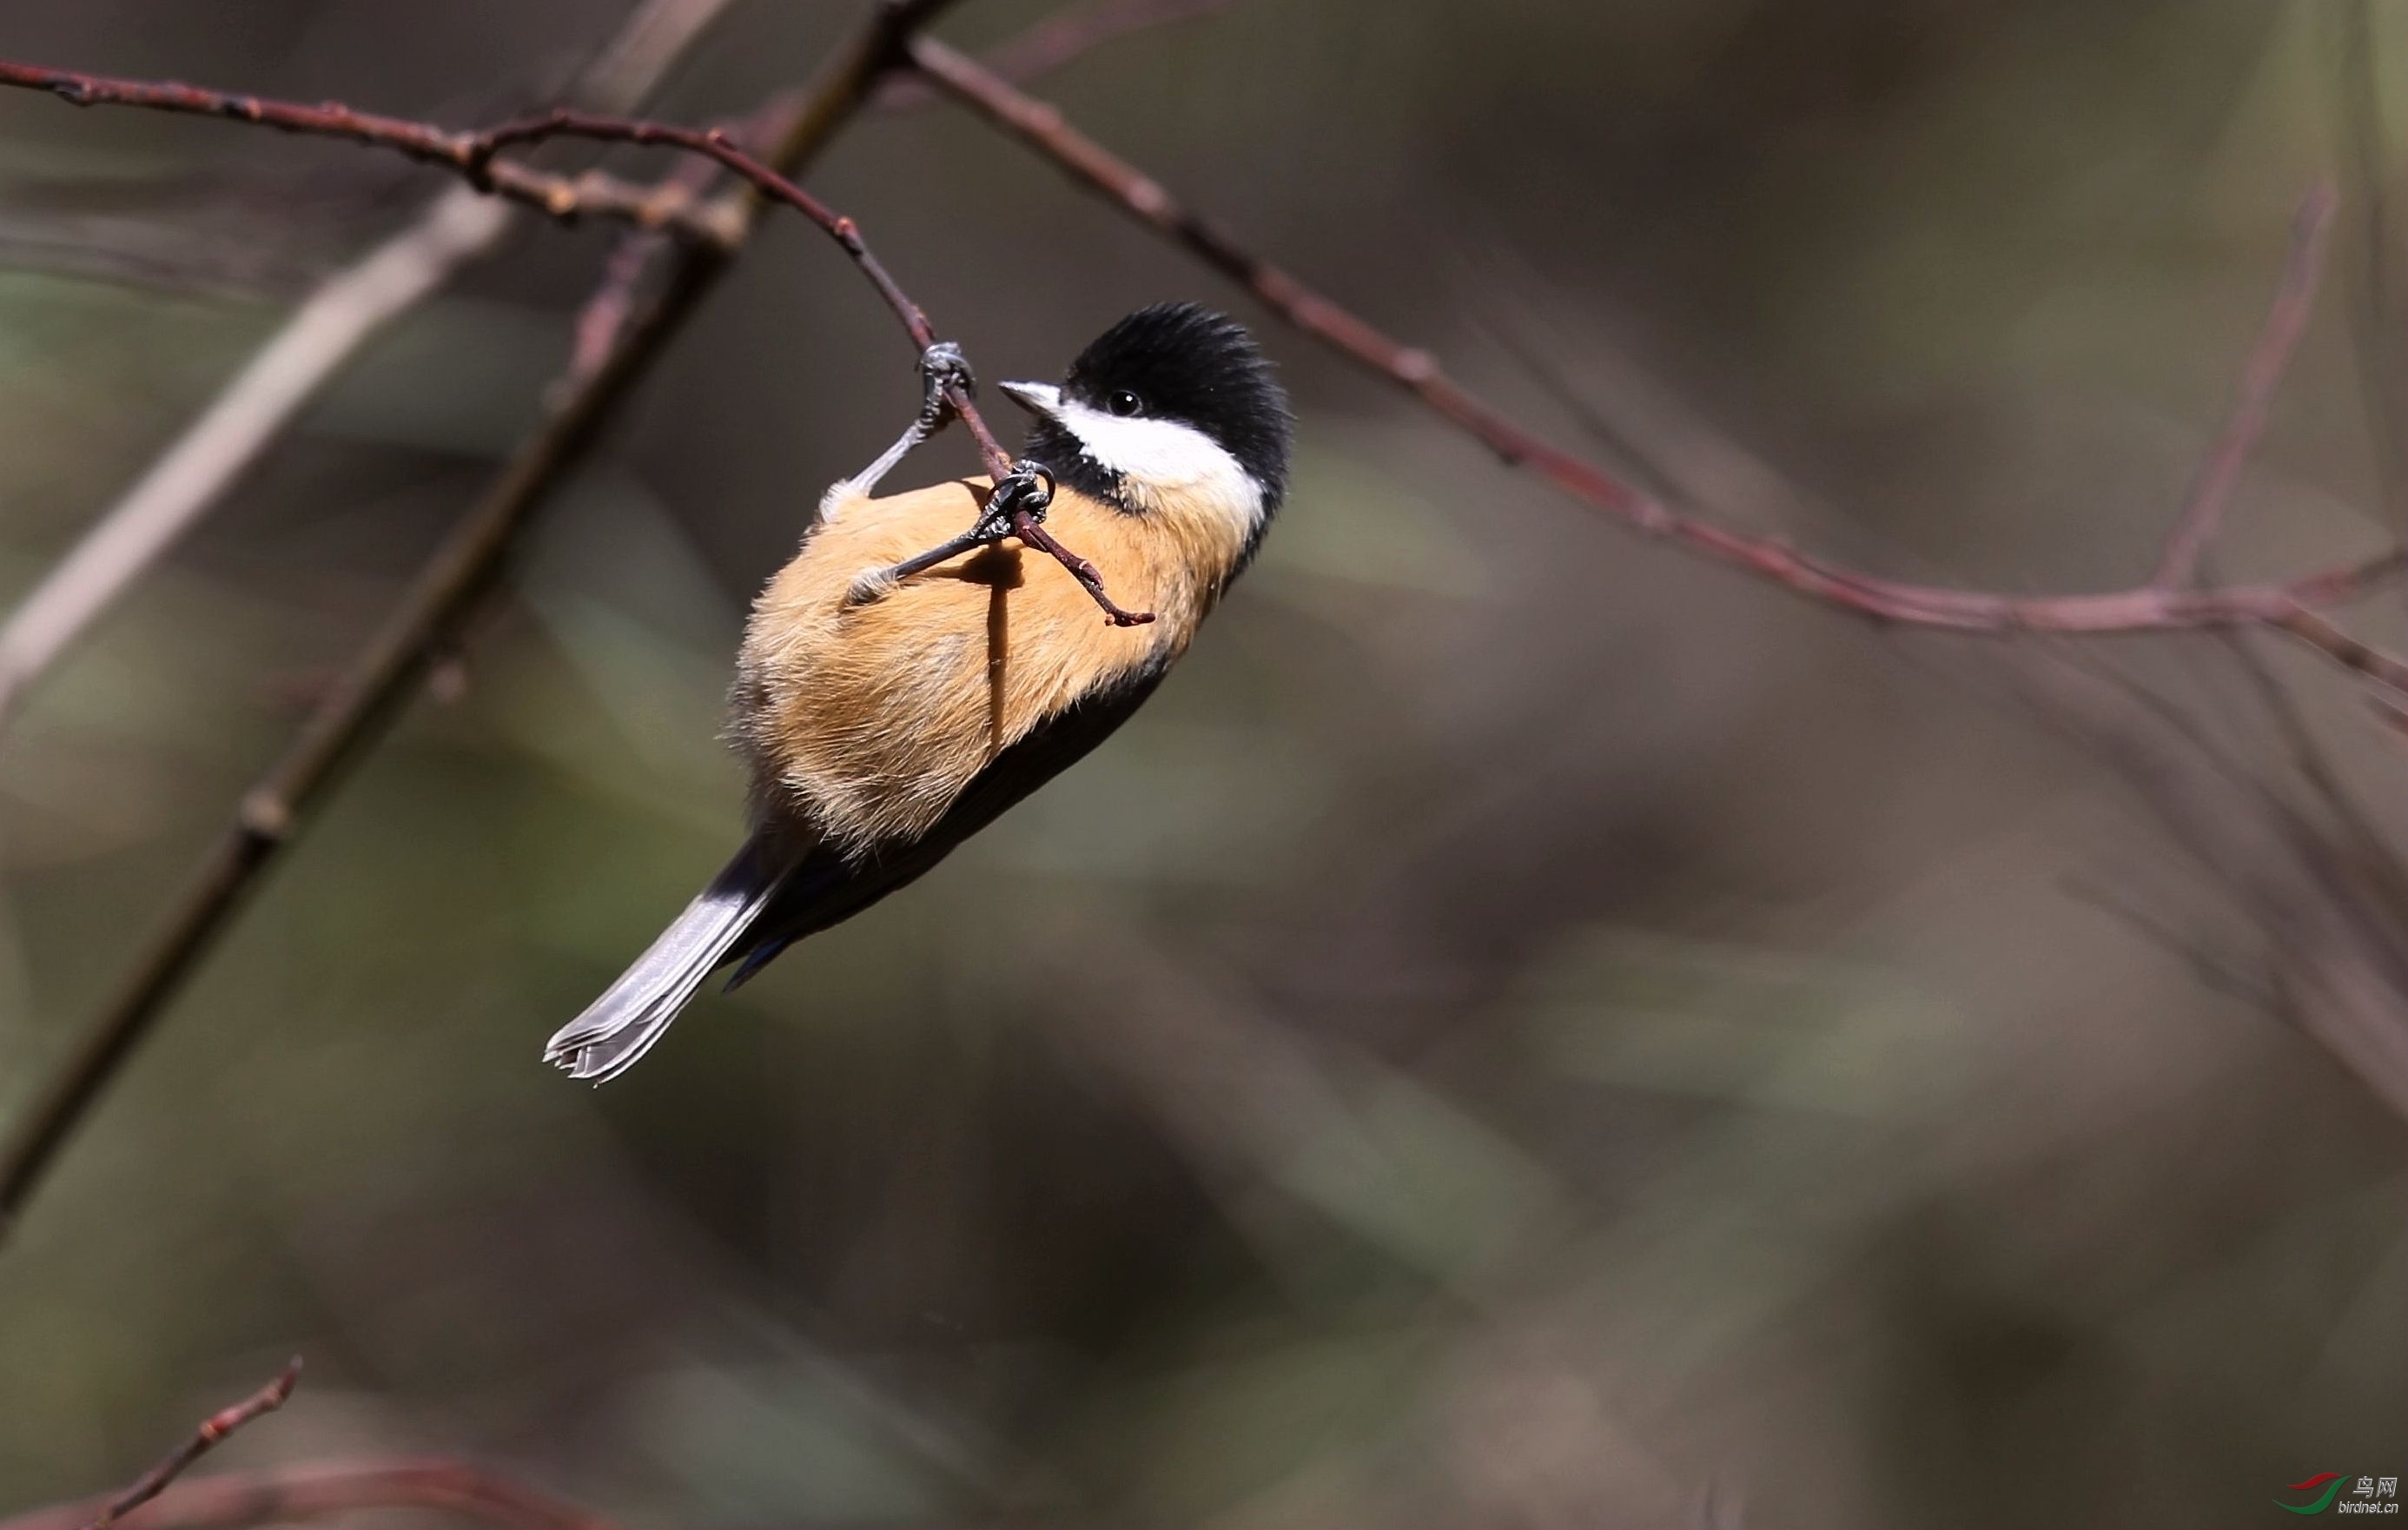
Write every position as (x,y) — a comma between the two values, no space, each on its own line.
(2293,606)
(2219,474)
(475,154)
(385,674)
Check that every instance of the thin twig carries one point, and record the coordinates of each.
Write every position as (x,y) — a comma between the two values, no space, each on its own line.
(2219,473)
(324,1490)
(386,673)
(2386,875)
(271,390)
(2207,964)
(719,146)
(2287,606)
(1057,40)
(150,253)
(212,1429)
(1031,530)
(345,312)
(476,155)
(563,197)
(2371,265)
(634,259)
(2327,637)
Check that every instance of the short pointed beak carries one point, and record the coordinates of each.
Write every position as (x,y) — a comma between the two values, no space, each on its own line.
(1043,400)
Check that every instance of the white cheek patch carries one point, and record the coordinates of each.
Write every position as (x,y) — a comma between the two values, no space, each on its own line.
(1163,455)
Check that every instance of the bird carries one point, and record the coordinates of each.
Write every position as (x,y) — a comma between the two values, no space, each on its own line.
(890,703)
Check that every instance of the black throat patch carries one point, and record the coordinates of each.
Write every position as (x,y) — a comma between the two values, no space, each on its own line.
(1184,364)
(1054,448)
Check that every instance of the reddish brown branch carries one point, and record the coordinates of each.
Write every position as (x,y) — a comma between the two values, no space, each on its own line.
(2327,637)
(2285,606)
(561,196)
(386,673)
(475,154)
(612,305)
(1057,40)
(2211,491)
(282,1495)
(1032,532)
(214,1428)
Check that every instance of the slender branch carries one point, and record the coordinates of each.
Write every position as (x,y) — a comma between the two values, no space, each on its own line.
(1057,40)
(2371,265)
(2286,605)
(2326,636)
(561,196)
(345,312)
(719,146)
(145,252)
(193,477)
(1029,529)
(212,1429)
(386,673)
(611,308)
(635,257)
(2211,491)
(475,154)
(284,1494)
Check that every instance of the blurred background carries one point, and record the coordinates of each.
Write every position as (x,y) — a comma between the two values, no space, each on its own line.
(1524,1030)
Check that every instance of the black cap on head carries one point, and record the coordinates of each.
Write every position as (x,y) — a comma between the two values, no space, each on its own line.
(1181,362)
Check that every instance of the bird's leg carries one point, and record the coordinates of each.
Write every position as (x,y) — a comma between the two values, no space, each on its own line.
(1021,495)
(943,368)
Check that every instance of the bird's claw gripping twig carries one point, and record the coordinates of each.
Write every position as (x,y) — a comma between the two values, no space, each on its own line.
(1015,507)
(943,369)
(1026,490)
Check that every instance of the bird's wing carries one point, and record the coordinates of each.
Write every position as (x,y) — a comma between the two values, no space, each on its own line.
(827,887)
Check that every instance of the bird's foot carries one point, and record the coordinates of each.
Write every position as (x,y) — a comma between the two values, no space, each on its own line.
(1016,503)
(942,369)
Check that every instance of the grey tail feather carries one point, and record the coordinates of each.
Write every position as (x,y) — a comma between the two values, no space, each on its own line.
(621,1026)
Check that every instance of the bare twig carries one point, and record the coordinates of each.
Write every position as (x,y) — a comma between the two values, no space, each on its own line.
(719,146)
(212,1429)
(1031,530)
(386,673)
(2372,262)
(2219,474)
(142,251)
(328,329)
(555,195)
(2386,875)
(285,1495)
(2343,963)
(1057,40)
(715,144)
(475,153)
(2326,636)
(182,486)
(634,259)
(2289,606)
(606,312)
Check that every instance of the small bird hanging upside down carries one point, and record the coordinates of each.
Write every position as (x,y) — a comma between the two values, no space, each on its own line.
(890,707)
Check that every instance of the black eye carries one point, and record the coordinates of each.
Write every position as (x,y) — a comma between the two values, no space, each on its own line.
(1124,403)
